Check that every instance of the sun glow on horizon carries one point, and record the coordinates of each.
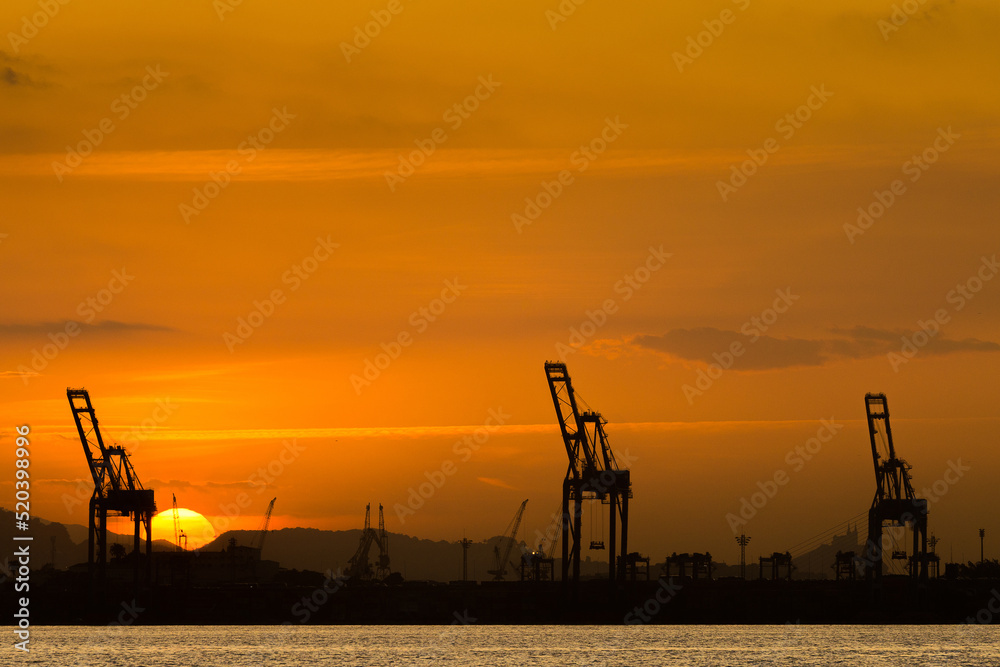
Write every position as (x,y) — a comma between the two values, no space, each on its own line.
(196,527)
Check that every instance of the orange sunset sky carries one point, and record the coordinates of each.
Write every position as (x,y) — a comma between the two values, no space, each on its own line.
(217,215)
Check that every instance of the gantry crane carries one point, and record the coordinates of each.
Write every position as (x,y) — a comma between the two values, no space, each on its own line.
(359,566)
(258,541)
(593,473)
(895,503)
(501,552)
(117,491)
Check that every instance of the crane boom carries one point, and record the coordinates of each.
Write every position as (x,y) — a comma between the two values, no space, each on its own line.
(580,457)
(892,475)
(510,533)
(177,523)
(264,525)
(98,456)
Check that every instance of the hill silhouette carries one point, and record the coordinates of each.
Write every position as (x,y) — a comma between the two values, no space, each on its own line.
(70,541)
(414,558)
(312,549)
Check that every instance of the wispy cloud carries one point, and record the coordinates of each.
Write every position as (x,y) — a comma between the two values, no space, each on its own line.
(16,71)
(18,374)
(23,329)
(700,344)
(184,484)
(204,435)
(321,164)
(496,482)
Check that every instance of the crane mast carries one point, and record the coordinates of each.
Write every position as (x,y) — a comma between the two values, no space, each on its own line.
(382,539)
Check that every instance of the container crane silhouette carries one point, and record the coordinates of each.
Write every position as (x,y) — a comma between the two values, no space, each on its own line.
(117,492)
(895,504)
(592,473)
(359,566)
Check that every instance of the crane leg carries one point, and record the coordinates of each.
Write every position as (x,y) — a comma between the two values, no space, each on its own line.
(137,554)
(578,536)
(612,538)
(565,533)
(624,507)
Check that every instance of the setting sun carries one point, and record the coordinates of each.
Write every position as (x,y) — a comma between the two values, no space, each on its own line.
(197,528)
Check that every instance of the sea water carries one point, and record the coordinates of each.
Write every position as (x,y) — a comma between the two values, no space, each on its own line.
(500,645)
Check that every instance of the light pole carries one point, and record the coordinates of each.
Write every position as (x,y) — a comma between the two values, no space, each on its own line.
(935,561)
(465,558)
(743,541)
